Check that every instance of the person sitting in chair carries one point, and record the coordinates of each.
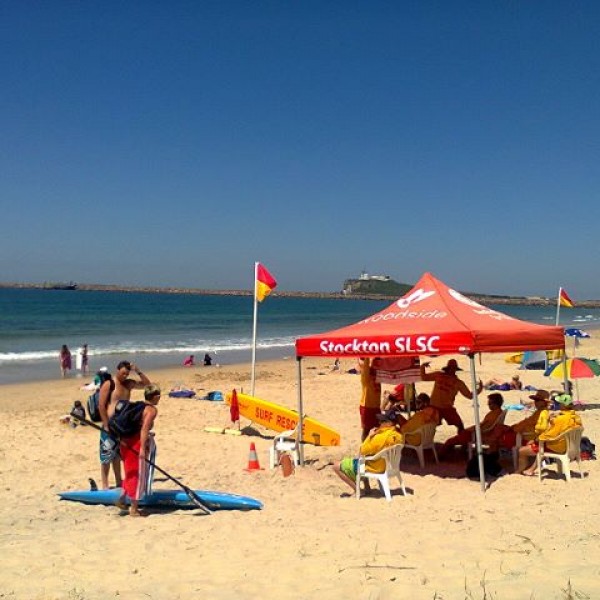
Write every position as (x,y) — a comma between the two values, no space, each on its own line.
(380,437)
(566,420)
(534,425)
(489,427)
(425,414)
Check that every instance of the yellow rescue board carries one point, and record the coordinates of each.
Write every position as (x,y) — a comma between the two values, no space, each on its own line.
(518,358)
(279,418)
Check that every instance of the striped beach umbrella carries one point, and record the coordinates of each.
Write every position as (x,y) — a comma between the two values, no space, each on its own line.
(576,368)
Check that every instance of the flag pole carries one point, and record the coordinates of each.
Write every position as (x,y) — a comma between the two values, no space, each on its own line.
(254,330)
(558,306)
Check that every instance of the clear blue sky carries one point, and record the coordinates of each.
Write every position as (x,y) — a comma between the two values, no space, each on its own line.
(175,143)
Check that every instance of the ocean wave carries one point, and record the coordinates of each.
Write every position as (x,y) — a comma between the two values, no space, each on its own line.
(129,348)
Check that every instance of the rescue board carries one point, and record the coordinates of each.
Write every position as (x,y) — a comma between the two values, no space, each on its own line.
(175,499)
(517,358)
(279,418)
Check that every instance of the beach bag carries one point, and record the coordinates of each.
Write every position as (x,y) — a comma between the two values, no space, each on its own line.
(215,396)
(588,449)
(127,418)
(491,466)
(507,438)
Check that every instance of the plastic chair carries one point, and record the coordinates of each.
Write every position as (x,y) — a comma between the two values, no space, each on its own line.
(573,439)
(473,444)
(528,435)
(392,456)
(284,442)
(427,433)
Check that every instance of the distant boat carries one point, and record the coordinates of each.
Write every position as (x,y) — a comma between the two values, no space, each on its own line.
(60,286)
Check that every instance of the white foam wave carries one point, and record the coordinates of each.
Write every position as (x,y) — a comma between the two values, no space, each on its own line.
(128,348)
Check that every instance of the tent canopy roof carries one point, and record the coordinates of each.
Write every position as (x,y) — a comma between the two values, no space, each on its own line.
(432,319)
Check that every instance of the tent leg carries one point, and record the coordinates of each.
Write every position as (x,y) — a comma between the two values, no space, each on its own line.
(299,445)
(477,425)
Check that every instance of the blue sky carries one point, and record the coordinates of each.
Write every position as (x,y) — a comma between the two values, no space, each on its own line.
(155,143)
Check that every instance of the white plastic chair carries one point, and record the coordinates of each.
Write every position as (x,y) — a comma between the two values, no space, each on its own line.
(427,433)
(392,456)
(498,421)
(573,439)
(284,442)
(528,435)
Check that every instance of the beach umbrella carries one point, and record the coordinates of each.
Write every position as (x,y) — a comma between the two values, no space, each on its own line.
(234,407)
(576,368)
(576,333)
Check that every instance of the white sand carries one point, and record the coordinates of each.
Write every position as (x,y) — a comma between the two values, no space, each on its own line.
(446,539)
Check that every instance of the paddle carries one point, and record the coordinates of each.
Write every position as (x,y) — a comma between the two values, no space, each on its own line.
(191,494)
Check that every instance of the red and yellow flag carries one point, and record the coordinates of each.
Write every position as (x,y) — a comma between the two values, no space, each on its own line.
(265,282)
(564,299)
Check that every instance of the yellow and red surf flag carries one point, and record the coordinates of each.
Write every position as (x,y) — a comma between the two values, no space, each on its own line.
(265,282)
(564,300)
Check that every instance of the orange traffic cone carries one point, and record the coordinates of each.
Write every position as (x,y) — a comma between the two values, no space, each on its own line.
(253,459)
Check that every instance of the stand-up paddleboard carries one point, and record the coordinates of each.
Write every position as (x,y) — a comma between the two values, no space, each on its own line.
(175,499)
(279,418)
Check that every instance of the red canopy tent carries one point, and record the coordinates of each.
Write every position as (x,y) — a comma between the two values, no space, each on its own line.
(432,319)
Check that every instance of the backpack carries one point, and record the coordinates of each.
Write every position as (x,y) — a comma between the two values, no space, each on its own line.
(588,449)
(127,418)
(491,466)
(93,402)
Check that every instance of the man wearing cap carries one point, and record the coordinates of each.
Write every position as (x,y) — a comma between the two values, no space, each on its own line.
(566,420)
(445,387)
(537,423)
(379,438)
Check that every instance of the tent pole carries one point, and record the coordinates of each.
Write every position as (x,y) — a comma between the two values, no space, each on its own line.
(477,424)
(299,445)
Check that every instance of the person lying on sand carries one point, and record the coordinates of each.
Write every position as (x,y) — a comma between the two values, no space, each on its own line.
(496,385)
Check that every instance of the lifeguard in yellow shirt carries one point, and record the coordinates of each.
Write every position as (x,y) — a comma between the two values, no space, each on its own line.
(370,399)
(379,438)
(534,425)
(425,414)
(566,420)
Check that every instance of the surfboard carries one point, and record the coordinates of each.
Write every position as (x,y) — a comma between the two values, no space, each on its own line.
(175,499)
(279,418)
(518,357)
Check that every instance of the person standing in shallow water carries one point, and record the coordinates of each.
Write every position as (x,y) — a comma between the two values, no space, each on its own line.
(65,360)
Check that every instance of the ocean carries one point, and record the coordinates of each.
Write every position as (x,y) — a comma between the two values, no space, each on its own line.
(160,330)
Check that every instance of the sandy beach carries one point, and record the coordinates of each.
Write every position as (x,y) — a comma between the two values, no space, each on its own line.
(445,539)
